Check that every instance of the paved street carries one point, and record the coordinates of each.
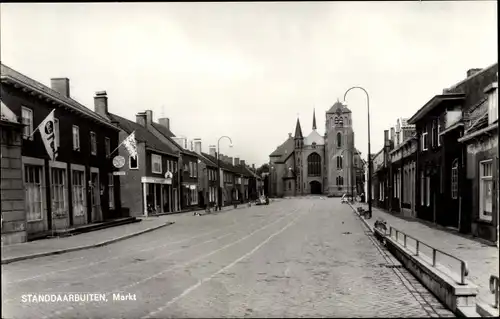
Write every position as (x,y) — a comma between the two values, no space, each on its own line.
(303,257)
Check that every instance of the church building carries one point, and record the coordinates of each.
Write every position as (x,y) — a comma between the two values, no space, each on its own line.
(318,164)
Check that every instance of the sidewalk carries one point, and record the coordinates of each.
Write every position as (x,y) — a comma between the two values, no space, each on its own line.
(481,259)
(52,246)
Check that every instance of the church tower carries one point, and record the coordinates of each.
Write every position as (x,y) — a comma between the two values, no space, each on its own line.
(339,150)
(299,144)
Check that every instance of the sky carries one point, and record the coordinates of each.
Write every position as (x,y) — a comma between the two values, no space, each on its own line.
(248,69)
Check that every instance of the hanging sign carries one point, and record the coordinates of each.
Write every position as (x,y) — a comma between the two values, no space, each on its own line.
(118,161)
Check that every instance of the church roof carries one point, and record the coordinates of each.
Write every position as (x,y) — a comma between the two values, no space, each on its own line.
(284,149)
(314,137)
(338,107)
(298,130)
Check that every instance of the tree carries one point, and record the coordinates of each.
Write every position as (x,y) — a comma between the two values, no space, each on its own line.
(263,169)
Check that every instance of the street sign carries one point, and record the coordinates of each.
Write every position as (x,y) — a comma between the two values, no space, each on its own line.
(118,161)
(119,173)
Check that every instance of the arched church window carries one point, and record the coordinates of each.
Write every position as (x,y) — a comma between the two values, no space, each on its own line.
(339,162)
(314,165)
(339,139)
(341,180)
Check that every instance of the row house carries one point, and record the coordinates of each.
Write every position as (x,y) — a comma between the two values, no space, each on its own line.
(402,159)
(207,180)
(77,187)
(381,186)
(149,182)
(448,176)
(229,177)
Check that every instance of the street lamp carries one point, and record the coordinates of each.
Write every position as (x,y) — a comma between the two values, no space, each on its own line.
(369,148)
(219,193)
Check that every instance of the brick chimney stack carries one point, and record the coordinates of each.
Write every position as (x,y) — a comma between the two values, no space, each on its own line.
(60,85)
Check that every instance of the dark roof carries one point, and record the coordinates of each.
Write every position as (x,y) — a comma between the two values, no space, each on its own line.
(284,149)
(8,73)
(142,134)
(433,103)
(338,108)
(223,165)
(205,159)
(298,130)
(163,130)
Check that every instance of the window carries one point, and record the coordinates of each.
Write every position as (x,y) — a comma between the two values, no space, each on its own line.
(93,144)
(76,138)
(78,180)
(59,201)
(175,167)
(433,134)
(33,183)
(381,191)
(156,164)
(194,196)
(195,169)
(111,190)
(424,141)
(133,163)
(428,190)
(339,162)
(339,139)
(340,181)
(422,188)
(57,134)
(314,165)
(27,120)
(486,190)
(191,169)
(438,134)
(454,179)
(289,185)
(107,146)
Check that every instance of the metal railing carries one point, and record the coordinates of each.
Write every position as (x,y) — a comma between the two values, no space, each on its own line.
(464,270)
(494,289)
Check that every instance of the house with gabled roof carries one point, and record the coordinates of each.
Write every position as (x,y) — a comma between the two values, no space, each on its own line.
(150,183)
(77,186)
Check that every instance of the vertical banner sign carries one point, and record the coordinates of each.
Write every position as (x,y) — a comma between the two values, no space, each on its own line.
(131,145)
(49,136)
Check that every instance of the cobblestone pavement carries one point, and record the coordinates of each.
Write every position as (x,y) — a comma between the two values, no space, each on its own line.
(303,257)
(481,259)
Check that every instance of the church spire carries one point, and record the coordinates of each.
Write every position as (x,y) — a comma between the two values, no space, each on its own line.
(298,130)
(314,119)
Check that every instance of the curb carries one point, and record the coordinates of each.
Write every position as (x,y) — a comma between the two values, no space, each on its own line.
(68,250)
(362,218)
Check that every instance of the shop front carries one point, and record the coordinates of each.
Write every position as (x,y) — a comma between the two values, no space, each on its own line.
(189,195)
(158,195)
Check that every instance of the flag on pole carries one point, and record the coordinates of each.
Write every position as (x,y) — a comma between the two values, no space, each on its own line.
(131,145)
(49,137)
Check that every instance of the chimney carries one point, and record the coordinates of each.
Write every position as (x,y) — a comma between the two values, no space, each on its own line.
(164,121)
(149,117)
(197,145)
(60,85)
(140,118)
(471,72)
(393,135)
(230,159)
(242,163)
(212,150)
(236,161)
(386,135)
(101,103)
(289,135)
(253,167)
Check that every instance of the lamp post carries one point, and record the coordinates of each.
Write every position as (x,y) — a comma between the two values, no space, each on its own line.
(369,148)
(219,193)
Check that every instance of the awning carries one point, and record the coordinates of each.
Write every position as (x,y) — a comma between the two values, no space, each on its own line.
(156,180)
(7,114)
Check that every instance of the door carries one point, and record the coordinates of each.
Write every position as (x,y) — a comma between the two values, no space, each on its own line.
(95,197)
(453,210)
(315,187)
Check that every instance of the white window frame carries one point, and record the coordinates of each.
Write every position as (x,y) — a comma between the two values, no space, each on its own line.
(483,179)
(111,191)
(424,139)
(93,143)
(53,165)
(76,138)
(156,158)
(107,146)
(79,188)
(57,132)
(136,161)
(439,133)
(28,129)
(422,188)
(433,128)
(428,190)
(39,164)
